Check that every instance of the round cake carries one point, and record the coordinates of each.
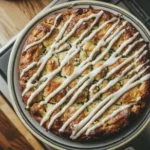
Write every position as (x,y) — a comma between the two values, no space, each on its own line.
(84,73)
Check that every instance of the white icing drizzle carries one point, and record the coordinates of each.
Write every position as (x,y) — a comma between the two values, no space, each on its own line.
(50,76)
(101,43)
(44,37)
(146,51)
(77,70)
(125,62)
(109,47)
(113,71)
(111,83)
(61,33)
(43,61)
(46,117)
(126,43)
(110,116)
(76,73)
(28,68)
(92,75)
(116,32)
(140,66)
(98,94)
(77,25)
(29,84)
(62,48)
(131,46)
(88,29)
(104,105)
(75,48)
(98,29)
(125,54)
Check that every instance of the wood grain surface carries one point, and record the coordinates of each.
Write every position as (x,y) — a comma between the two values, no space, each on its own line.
(13,134)
(15,14)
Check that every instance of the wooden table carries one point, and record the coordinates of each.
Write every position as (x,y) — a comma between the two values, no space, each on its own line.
(13,134)
(14,15)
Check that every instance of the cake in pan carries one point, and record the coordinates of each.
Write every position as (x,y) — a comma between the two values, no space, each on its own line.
(84,73)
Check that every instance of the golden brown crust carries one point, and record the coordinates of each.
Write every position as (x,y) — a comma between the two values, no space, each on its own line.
(36,52)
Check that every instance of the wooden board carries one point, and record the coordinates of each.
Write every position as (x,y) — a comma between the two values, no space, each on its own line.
(13,134)
(15,14)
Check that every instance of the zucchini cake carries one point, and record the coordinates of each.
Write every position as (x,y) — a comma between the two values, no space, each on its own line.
(84,73)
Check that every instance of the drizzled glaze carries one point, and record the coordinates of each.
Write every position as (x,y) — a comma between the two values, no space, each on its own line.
(108,40)
(101,91)
(47,35)
(29,84)
(28,68)
(78,71)
(117,111)
(91,77)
